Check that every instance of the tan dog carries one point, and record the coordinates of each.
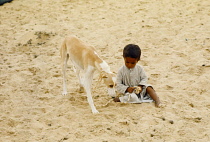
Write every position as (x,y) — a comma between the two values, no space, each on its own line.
(84,58)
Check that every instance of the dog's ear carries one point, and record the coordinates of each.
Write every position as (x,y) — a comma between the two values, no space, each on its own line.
(114,72)
(103,75)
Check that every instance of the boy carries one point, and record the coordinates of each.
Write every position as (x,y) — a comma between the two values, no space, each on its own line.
(131,77)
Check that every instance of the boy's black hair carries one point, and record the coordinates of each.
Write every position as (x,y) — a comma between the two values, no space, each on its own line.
(132,51)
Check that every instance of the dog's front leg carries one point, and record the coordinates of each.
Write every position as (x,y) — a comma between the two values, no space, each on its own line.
(87,85)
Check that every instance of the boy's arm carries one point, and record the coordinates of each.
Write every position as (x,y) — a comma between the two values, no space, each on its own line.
(143,80)
(121,88)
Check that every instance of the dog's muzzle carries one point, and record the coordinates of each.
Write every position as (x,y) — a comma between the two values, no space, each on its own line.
(111,92)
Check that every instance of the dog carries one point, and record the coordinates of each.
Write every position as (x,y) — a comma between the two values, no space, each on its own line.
(85,58)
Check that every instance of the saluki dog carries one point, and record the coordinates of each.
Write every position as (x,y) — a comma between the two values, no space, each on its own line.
(85,59)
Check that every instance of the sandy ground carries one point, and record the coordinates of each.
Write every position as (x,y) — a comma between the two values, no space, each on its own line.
(175,40)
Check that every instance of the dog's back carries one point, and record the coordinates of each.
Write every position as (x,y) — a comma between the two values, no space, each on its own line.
(85,57)
(79,53)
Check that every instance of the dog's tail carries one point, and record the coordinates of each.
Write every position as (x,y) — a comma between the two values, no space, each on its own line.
(64,58)
(63,52)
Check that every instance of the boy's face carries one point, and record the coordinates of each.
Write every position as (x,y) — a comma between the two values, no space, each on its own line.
(130,62)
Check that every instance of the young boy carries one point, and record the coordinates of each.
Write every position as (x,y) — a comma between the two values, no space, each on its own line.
(131,77)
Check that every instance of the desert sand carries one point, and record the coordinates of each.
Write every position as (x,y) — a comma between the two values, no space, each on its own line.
(175,40)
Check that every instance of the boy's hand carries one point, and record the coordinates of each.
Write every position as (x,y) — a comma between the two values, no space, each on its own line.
(130,89)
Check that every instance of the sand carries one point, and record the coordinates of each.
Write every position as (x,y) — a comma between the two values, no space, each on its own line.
(175,40)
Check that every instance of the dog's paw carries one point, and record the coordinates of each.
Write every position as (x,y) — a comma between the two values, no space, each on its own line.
(64,93)
(95,111)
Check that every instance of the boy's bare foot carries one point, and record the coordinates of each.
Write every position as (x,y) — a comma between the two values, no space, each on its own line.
(116,99)
(157,103)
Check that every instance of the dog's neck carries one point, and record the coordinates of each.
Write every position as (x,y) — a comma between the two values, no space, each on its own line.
(102,66)
(105,67)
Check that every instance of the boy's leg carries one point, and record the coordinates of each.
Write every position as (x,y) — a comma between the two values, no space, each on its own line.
(153,95)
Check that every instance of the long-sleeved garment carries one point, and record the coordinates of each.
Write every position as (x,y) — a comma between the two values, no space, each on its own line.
(132,77)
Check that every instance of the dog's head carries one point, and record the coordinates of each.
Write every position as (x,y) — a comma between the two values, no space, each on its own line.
(109,80)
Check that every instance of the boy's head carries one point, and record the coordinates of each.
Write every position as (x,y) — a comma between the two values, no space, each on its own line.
(131,55)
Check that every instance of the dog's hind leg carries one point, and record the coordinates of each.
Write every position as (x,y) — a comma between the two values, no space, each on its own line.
(77,71)
(88,77)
